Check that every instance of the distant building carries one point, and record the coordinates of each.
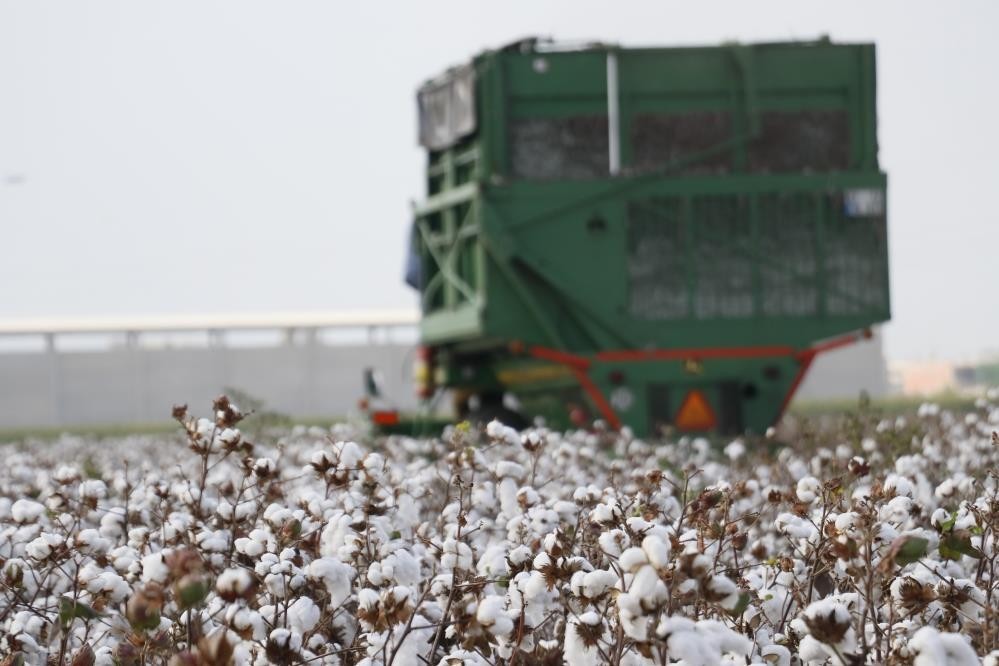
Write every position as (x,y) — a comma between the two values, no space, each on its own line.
(848,371)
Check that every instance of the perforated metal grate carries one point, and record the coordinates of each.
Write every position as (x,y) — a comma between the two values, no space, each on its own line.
(684,139)
(854,261)
(788,255)
(723,257)
(657,260)
(559,148)
(801,141)
(717,266)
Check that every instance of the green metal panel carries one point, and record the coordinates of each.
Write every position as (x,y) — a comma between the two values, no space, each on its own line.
(748,210)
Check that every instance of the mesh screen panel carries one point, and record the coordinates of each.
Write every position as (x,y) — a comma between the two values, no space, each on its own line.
(559,148)
(657,260)
(854,261)
(801,141)
(723,257)
(788,255)
(661,139)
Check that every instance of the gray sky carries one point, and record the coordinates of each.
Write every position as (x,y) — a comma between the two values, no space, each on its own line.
(206,156)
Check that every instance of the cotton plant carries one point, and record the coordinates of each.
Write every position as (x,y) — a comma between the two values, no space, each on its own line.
(870,542)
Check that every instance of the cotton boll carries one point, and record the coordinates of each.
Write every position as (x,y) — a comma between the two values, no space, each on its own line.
(777,654)
(233,583)
(335,576)
(808,489)
(491,614)
(596,583)
(933,647)
(657,551)
(648,588)
(899,485)
(583,638)
(93,489)
(633,558)
(632,617)
(613,542)
(606,513)
(735,450)
(26,511)
(303,615)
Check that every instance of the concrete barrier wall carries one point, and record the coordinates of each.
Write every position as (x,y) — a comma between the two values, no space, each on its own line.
(845,372)
(141,385)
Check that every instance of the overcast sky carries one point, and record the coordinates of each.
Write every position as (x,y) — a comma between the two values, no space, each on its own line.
(204,156)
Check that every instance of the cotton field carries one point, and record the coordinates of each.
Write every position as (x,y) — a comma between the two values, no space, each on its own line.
(873,541)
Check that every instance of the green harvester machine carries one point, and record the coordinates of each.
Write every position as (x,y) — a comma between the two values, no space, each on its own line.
(654,237)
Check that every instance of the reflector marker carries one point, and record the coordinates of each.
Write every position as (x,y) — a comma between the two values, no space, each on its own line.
(695,413)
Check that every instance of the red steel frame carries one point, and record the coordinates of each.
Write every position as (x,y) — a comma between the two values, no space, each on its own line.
(579,365)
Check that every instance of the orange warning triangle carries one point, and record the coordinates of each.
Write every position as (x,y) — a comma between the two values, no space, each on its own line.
(695,413)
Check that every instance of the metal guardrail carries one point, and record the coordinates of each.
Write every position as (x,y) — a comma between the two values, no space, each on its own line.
(215,325)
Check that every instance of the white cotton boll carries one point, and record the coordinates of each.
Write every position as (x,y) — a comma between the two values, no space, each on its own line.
(577,651)
(457,555)
(794,526)
(899,485)
(501,433)
(26,511)
(608,512)
(946,490)
(657,551)
(249,547)
(66,474)
(808,489)
(507,491)
(205,431)
(112,525)
(613,542)
(283,638)
(587,496)
(776,654)
(321,459)
(648,587)
(508,468)
(93,489)
(277,585)
(519,555)
(335,576)
(897,510)
(848,523)
(595,583)
(234,581)
(933,647)
(403,568)
(348,453)
(721,587)
(41,547)
(374,574)
(735,450)
(528,496)
(632,558)
(492,615)
(303,615)
(92,543)
(632,617)
(567,511)
(229,436)
(812,652)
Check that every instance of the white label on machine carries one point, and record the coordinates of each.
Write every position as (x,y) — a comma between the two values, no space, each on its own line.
(863,203)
